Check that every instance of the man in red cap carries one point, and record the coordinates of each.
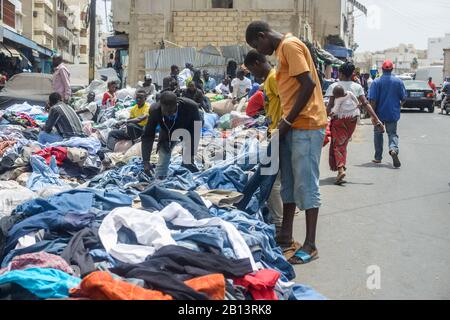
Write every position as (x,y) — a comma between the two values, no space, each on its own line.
(386,95)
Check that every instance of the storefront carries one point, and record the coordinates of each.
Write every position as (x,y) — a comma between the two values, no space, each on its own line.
(19,54)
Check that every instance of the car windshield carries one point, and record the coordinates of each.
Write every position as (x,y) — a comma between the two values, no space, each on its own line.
(417,85)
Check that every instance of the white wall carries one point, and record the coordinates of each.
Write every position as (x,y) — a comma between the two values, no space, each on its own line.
(436,48)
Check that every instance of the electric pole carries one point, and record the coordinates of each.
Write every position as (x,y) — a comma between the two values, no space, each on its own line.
(92,38)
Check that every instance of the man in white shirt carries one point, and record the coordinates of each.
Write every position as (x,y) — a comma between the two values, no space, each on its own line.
(241,86)
(88,110)
(185,75)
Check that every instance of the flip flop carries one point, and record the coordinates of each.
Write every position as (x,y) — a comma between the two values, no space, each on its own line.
(289,252)
(302,257)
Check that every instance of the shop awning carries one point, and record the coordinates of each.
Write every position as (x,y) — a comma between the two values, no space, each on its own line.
(13,52)
(4,50)
(118,41)
(339,52)
(24,41)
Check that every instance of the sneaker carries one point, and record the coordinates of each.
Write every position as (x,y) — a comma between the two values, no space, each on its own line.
(394,155)
(376,161)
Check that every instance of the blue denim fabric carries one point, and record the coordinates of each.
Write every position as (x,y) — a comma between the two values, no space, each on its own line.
(92,145)
(198,238)
(301,292)
(43,175)
(179,178)
(45,138)
(55,247)
(300,152)
(49,221)
(44,283)
(258,181)
(100,255)
(260,237)
(391,130)
(123,179)
(157,198)
(79,200)
(226,178)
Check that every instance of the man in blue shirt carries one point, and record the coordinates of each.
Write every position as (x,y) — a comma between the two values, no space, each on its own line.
(386,95)
(209,83)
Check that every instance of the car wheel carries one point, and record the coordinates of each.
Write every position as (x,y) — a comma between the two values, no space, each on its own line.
(431,109)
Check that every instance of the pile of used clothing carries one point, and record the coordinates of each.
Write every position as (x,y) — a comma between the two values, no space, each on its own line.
(79,222)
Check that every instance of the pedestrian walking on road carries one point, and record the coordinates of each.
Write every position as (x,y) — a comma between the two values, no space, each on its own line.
(344,117)
(387,94)
(302,134)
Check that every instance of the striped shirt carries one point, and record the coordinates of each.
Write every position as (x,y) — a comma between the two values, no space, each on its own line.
(65,120)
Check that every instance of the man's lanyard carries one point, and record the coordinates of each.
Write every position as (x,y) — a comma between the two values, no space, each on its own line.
(174,122)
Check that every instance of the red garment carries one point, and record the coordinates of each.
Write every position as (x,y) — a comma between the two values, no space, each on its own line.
(341,133)
(60,154)
(109,97)
(432,86)
(255,104)
(327,135)
(260,285)
(29,119)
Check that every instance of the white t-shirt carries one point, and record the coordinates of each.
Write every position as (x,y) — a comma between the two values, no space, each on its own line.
(240,87)
(223,89)
(351,86)
(88,116)
(183,77)
(346,107)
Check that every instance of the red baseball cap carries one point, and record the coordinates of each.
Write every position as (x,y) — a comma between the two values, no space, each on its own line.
(388,65)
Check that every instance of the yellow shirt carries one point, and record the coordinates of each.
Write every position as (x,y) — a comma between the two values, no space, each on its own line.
(295,59)
(273,103)
(137,112)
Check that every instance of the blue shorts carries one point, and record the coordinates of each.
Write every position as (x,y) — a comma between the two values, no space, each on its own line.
(300,153)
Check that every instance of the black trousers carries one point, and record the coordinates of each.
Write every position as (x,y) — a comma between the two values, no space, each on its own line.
(132,132)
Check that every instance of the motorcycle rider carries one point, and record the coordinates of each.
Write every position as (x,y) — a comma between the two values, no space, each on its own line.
(446,92)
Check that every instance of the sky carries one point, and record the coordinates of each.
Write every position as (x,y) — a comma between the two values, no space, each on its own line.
(101,12)
(391,22)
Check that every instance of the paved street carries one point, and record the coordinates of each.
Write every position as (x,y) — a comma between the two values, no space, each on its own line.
(396,219)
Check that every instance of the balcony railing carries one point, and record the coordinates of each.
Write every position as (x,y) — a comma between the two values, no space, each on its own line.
(48,3)
(64,33)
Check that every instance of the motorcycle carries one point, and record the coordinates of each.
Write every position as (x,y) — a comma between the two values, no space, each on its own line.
(446,106)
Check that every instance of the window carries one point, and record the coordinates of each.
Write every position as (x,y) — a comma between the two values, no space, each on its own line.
(83,50)
(48,17)
(224,4)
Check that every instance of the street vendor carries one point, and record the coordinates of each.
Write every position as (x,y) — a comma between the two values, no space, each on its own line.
(172,114)
(134,126)
(62,118)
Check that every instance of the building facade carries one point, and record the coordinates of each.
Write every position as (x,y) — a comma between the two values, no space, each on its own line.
(447,62)
(436,48)
(199,23)
(18,50)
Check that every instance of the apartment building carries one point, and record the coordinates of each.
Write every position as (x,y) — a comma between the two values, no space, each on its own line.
(18,46)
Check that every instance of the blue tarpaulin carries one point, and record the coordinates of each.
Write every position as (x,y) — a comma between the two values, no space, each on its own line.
(338,51)
(118,41)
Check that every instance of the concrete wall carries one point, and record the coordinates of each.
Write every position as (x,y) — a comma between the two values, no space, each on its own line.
(436,48)
(226,27)
(150,30)
(446,62)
